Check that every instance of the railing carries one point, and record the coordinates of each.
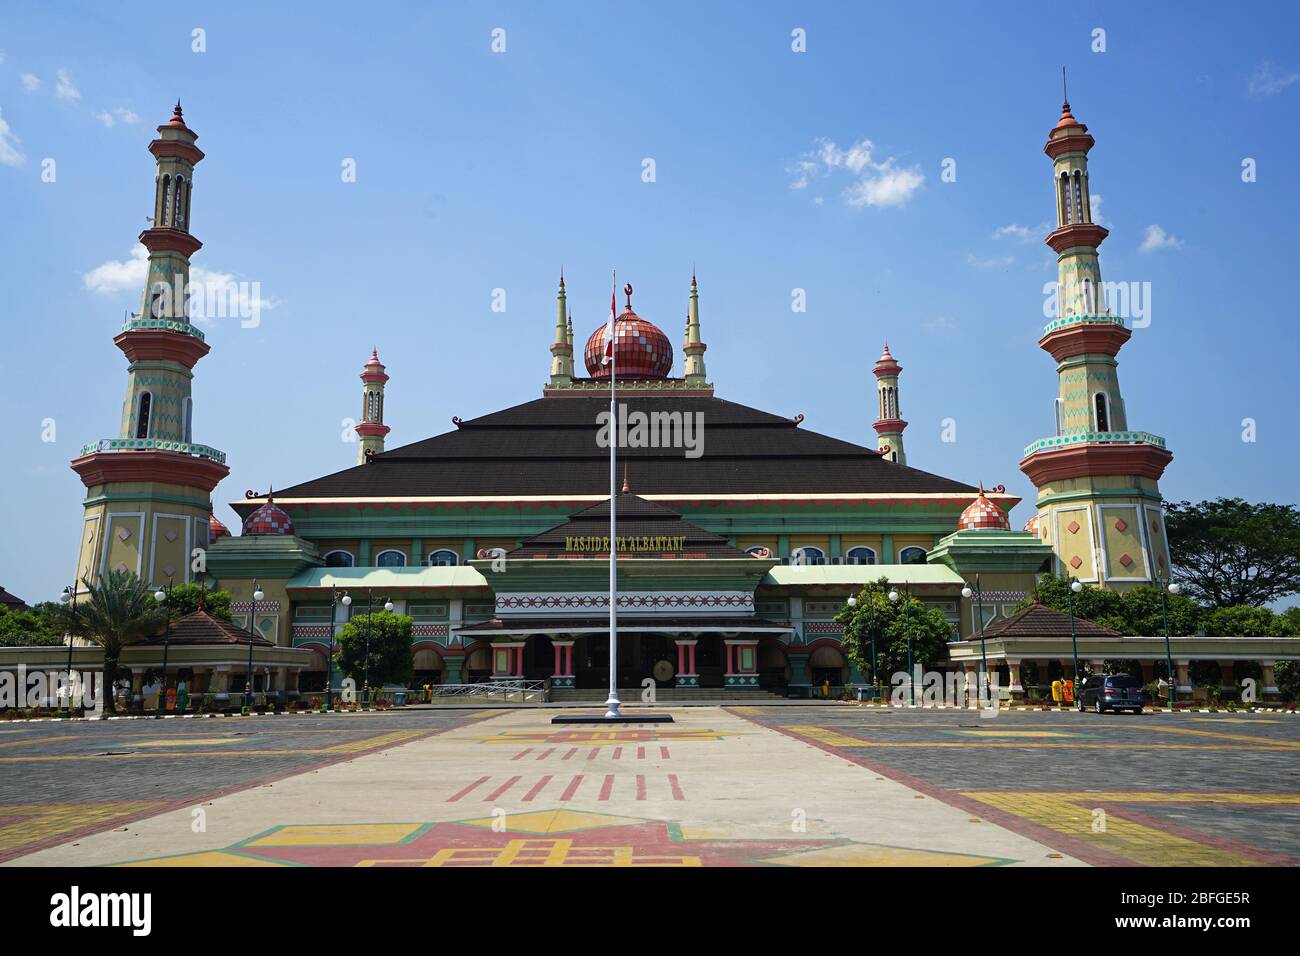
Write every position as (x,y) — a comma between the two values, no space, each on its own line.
(522,691)
(1072,320)
(1096,438)
(141,324)
(154,444)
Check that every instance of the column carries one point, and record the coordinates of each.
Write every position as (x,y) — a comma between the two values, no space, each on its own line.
(137,688)
(1225,675)
(1269,680)
(219,685)
(1184,678)
(1014,688)
(686,676)
(455,673)
(742,663)
(563,676)
(970,670)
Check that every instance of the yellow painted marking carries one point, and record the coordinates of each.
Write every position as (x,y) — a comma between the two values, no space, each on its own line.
(352,746)
(357,834)
(859,854)
(25,823)
(541,852)
(1220,735)
(826,736)
(1072,814)
(554,821)
(191,742)
(214,858)
(1014,733)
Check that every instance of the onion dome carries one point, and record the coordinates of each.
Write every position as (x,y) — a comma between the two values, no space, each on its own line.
(178,118)
(1067,118)
(216,529)
(641,350)
(1032,524)
(983,515)
(268,519)
(886,364)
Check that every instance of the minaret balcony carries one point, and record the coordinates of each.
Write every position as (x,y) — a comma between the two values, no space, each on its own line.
(1071,321)
(151,324)
(154,444)
(1085,454)
(1095,438)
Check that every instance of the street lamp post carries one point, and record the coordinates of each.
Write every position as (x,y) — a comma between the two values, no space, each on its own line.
(984,661)
(365,683)
(1167,588)
(911,682)
(329,660)
(69,594)
(252,623)
(1075,588)
(165,598)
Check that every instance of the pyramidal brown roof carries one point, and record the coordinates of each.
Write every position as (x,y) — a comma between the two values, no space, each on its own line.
(643,529)
(201,628)
(549,447)
(12,601)
(1038,620)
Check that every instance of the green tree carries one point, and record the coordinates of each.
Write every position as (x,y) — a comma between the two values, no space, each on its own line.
(185,600)
(1243,622)
(1092,604)
(117,611)
(389,643)
(1144,608)
(31,628)
(892,623)
(1228,551)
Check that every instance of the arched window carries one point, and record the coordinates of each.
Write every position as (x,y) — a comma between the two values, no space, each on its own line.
(339,559)
(166,201)
(1065,199)
(142,415)
(1102,422)
(443,558)
(911,556)
(759,550)
(807,555)
(390,559)
(861,555)
(187,420)
(1060,416)
(1078,196)
(178,206)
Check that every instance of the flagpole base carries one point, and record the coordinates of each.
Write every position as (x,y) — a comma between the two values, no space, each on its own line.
(613,705)
(618,719)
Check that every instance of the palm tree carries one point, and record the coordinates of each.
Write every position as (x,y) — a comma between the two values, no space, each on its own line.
(120,610)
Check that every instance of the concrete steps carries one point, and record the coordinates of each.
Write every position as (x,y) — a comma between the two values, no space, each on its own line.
(665,695)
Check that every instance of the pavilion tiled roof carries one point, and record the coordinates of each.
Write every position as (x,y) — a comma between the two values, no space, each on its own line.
(548,447)
(201,628)
(1038,620)
(12,601)
(562,625)
(645,523)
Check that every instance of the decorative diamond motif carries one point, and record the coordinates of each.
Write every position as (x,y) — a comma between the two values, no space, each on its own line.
(1075,562)
(123,533)
(171,536)
(1125,560)
(1073,527)
(1120,525)
(169,570)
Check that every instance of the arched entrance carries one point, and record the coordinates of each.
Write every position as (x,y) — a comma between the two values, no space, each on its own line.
(827,664)
(773,664)
(539,657)
(427,666)
(478,664)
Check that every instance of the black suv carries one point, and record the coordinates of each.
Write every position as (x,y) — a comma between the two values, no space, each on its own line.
(1112,692)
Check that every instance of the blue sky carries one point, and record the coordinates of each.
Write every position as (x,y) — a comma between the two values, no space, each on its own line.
(479,171)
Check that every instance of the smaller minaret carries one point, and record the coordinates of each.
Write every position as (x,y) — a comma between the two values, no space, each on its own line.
(694,349)
(888,425)
(371,429)
(562,347)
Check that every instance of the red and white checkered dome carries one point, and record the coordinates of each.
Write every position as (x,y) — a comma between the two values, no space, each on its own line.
(216,529)
(268,519)
(983,515)
(1032,524)
(640,348)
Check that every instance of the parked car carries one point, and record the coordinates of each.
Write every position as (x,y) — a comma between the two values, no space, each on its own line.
(1103,692)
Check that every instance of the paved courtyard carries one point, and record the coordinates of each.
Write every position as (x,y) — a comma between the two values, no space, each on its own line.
(793,786)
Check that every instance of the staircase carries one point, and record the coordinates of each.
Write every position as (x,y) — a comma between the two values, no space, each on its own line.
(631,696)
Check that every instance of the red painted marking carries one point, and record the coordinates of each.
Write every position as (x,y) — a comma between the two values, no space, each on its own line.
(502,789)
(663,752)
(522,754)
(606,787)
(538,787)
(572,788)
(594,751)
(618,752)
(480,780)
(640,786)
(571,752)
(545,753)
(640,753)
(676,787)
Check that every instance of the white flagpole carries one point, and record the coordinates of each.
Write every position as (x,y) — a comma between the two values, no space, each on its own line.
(613,704)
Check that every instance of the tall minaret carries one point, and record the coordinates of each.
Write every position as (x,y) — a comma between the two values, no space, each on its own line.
(371,428)
(149,490)
(888,425)
(1099,502)
(694,349)
(562,347)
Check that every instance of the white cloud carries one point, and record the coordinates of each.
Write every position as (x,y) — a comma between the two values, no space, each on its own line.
(31,82)
(1094,205)
(105,117)
(875,183)
(995,263)
(118,113)
(9,154)
(1267,80)
(1156,239)
(117,276)
(1020,232)
(65,89)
